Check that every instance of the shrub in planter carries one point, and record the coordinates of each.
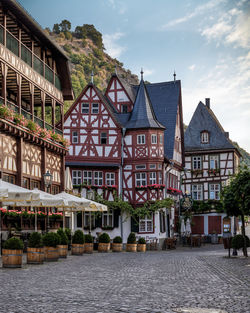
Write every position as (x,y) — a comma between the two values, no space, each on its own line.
(35,250)
(78,243)
(141,245)
(117,244)
(104,243)
(238,242)
(88,246)
(12,253)
(63,247)
(131,243)
(68,234)
(50,241)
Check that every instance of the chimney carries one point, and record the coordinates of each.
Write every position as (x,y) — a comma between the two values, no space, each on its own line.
(207,103)
(226,134)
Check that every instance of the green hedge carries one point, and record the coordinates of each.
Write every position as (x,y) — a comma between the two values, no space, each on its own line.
(13,244)
(78,237)
(104,238)
(35,240)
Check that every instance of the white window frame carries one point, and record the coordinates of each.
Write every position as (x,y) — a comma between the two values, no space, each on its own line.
(161,139)
(140,179)
(108,218)
(98,178)
(76,177)
(197,162)
(204,137)
(152,178)
(87,177)
(214,162)
(197,192)
(95,108)
(86,219)
(160,178)
(154,139)
(146,224)
(85,108)
(141,139)
(152,166)
(75,136)
(214,191)
(110,179)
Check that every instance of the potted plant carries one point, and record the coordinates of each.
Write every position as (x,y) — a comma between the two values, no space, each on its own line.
(63,247)
(141,245)
(35,250)
(104,243)
(77,243)
(238,242)
(50,241)
(68,234)
(12,253)
(131,245)
(117,244)
(88,246)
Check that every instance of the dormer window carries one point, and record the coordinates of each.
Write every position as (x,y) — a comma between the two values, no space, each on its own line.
(204,137)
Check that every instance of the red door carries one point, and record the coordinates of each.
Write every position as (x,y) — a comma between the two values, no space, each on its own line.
(214,224)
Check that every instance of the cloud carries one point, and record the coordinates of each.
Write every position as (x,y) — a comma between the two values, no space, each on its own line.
(147,72)
(111,45)
(192,67)
(119,6)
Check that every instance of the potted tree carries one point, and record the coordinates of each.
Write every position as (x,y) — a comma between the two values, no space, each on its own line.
(104,243)
(77,243)
(50,241)
(141,245)
(238,242)
(12,253)
(68,234)
(131,245)
(88,246)
(63,247)
(117,244)
(35,250)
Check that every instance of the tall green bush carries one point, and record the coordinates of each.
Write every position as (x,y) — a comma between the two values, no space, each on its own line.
(35,240)
(78,237)
(13,244)
(51,240)
(63,236)
(131,238)
(104,238)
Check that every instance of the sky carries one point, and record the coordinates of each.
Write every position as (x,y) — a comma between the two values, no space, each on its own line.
(207,44)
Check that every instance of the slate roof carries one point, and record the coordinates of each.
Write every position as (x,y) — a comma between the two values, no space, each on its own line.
(143,115)
(204,119)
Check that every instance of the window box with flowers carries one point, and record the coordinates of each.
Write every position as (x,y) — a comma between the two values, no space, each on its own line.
(197,171)
(174,191)
(141,187)
(156,186)
(213,171)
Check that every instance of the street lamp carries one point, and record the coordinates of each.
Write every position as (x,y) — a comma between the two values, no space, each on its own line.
(47,183)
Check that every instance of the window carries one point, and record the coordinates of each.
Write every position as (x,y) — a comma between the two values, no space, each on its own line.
(34,184)
(85,108)
(160,178)
(141,139)
(124,108)
(197,163)
(214,191)
(25,183)
(87,177)
(152,166)
(9,178)
(140,179)
(197,192)
(87,217)
(110,179)
(152,178)
(55,190)
(98,178)
(159,166)
(161,139)
(74,137)
(77,177)
(140,167)
(204,137)
(107,219)
(214,162)
(95,108)
(146,224)
(154,139)
(103,138)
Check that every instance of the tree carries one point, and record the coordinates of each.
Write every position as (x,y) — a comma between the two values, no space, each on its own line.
(65,26)
(56,29)
(236,198)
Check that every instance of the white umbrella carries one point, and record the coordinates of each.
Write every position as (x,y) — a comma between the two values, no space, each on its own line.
(183,228)
(17,193)
(95,206)
(188,227)
(68,180)
(73,201)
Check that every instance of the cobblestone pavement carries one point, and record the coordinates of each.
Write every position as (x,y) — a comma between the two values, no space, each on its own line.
(157,281)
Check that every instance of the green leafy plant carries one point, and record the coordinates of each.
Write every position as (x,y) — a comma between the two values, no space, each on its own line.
(78,237)
(142,241)
(13,244)
(68,233)
(35,240)
(51,240)
(117,239)
(32,126)
(88,238)
(63,236)
(4,112)
(104,238)
(131,238)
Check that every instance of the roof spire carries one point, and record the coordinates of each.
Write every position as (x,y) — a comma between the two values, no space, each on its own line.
(174,75)
(141,73)
(92,77)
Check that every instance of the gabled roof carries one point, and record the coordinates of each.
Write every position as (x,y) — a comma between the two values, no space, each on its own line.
(143,115)
(204,119)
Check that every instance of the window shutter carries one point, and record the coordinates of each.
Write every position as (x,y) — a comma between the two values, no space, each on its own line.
(79,219)
(161,226)
(134,225)
(116,218)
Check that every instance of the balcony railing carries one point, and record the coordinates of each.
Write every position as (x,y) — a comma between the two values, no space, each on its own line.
(12,43)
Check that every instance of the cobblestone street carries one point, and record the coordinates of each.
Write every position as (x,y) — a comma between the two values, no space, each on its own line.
(157,281)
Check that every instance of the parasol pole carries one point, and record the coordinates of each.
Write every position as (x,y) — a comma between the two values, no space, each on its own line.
(36,219)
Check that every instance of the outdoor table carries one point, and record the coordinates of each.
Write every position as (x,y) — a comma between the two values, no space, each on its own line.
(170,243)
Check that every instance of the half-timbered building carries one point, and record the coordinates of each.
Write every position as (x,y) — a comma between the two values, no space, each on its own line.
(210,158)
(125,141)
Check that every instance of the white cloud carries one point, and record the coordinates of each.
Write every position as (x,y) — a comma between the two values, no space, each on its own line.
(147,72)
(111,45)
(192,67)
(119,6)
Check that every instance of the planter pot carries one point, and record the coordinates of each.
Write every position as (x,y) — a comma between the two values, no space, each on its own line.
(12,258)
(141,247)
(51,254)
(35,255)
(103,247)
(117,247)
(77,249)
(131,247)
(88,247)
(63,251)
(214,238)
